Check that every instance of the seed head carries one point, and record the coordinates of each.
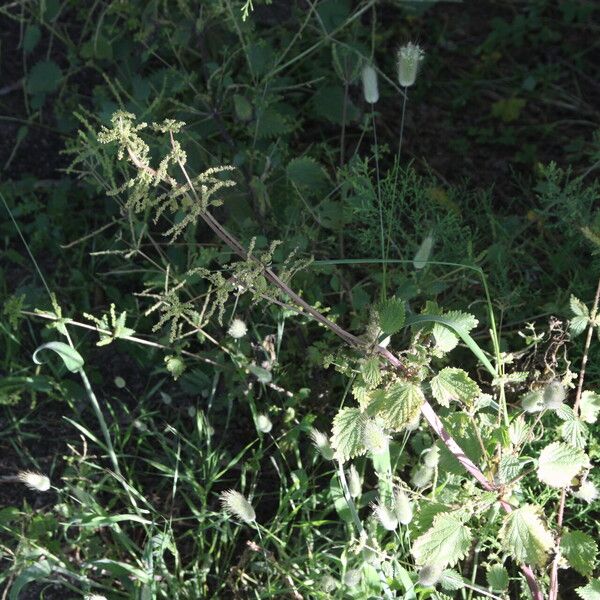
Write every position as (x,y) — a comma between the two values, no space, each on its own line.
(369,81)
(328,583)
(409,58)
(587,492)
(402,507)
(354,482)
(532,401)
(375,438)
(385,516)
(430,574)
(236,505)
(237,329)
(554,395)
(263,423)
(421,476)
(431,458)
(34,481)
(94,597)
(352,578)
(321,443)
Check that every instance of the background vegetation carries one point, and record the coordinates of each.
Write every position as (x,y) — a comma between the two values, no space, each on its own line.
(498,169)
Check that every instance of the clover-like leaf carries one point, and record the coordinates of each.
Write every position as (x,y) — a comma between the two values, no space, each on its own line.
(399,405)
(580,550)
(444,543)
(559,463)
(525,537)
(348,433)
(454,384)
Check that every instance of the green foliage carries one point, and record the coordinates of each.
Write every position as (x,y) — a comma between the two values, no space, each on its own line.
(525,537)
(559,463)
(452,384)
(580,550)
(444,543)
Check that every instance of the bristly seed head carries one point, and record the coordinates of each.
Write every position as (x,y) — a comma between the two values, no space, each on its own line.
(321,443)
(370,87)
(409,58)
(237,329)
(385,516)
(236,505)
(429,575)
(354,482)
(402,507)
(554,395)
(587,492)
(264,424)
(34,481)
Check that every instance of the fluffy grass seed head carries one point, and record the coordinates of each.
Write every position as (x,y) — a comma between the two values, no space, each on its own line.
(94,597)
(369,82)
(431,457)
(385,515)
(354,482)
(421,476)
(554,395)
(264,424)
(237,329)
(236,505)
(34,481)
(587,492)
(321,443)
(409,58)
(429,575)
(402,507)
(352,578)
(375,438)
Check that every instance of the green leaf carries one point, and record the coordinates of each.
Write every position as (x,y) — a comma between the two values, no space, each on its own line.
(44,77)
(399,405)
(524,536)
(580,550)
(306,173)
(454,384)
(392,314)
(37,572)
(509,468)
(581,319)
(559,463)
(589,406)
(497,578)
(574,432)
(72,359)
(348,433)
(371,372)
(261,374)
(243,108)
(445,543)
(31,38)
(591,591)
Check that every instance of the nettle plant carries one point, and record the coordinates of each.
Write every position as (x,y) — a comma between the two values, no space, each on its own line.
(497,460)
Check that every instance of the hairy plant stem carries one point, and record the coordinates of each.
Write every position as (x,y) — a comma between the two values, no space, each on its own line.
(553,594)
(426,409)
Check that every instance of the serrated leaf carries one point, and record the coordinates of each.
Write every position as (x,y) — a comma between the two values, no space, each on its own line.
(559,463)
(574,432)
(306,173)
(348,433)
(524,536)
(44,77)
(497,578)
(445,543)
(589,406)
(454,384)
(399,405)
(454,322)
(580,550)
(509,467)
(72,359)
(392,314)
(577,325)
(452,581)
(591,591)
(371,373)
(578,308)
